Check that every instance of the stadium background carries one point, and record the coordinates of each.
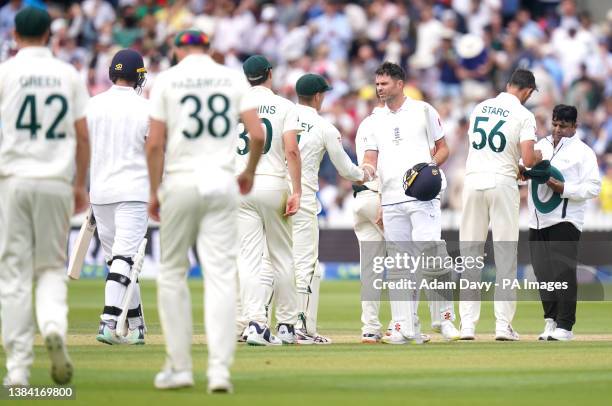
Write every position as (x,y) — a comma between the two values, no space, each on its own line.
(456,53)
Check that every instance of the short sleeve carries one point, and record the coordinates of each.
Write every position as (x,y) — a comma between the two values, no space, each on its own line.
(528,129)
(436,131)
(292,121)
(81,97)
(157,105)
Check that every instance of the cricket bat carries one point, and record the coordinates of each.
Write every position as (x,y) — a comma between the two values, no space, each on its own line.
(81,245)
(134,272)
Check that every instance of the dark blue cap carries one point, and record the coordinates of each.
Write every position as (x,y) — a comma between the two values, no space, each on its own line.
(127,64)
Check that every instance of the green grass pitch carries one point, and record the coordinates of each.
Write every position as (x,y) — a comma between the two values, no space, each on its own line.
(483,372)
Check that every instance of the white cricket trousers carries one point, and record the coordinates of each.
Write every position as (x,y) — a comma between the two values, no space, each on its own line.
(34,226)
(371,237)
(210,223)
(498,206)
(121,228)
(409,224)
(264,230)
(306,259)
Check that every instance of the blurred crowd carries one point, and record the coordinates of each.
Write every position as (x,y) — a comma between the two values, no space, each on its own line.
(456,53)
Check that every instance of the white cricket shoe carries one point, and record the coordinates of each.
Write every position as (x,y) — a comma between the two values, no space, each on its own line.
(560,334)
(321,340)
(508,334)
(261,335)
(302,337)
(449,331)
(242,336)
(18,377)
(467,333)
(61,365)
(399,335)
(549,326)
(286,333)
(371,338)
(425,338)
(220,386)
(169,379)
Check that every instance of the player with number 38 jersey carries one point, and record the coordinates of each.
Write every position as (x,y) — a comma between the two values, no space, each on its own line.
(195,107)
(502,131)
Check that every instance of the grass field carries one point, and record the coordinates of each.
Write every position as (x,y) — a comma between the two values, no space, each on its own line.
(482,372)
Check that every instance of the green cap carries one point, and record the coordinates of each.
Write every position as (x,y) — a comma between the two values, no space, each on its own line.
(255,67)
(310,84)
(32,22)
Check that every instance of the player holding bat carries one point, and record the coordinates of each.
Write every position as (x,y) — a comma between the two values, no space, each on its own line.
(118,122)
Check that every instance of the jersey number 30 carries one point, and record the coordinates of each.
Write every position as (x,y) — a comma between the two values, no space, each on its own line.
(244,135)
(28,108)
(217,114)
(484,139)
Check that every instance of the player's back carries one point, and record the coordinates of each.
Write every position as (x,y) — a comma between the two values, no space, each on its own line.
(278,115)
(200,102)
(361,140)
(118,122)
(497,127)
(312,144)
(40,99)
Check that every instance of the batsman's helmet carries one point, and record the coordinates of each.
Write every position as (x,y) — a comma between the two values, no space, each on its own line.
(128,64)
(423,181)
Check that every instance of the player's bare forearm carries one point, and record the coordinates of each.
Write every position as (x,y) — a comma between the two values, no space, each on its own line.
(253,126)
(441,152)
(370,158)
(294,160)
(529,155)
(82,153)
(154,149)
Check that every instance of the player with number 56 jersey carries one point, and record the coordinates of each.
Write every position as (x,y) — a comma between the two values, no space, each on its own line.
(502,131)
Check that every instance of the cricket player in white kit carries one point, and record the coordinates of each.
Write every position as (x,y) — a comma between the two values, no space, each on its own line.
(118,122)
(42,110)
(195,107)
(264,218)
(402,135)
(502,131)
(369,233)
(317,137)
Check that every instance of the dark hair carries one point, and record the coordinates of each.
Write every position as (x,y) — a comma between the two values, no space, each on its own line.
(391,69)
(523,79)
(261,80)
(305,99)
(563,112)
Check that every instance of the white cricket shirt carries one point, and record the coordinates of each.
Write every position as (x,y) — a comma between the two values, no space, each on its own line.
(200,101)
(578,164)
(118,122)
(40,99)
(497,128)
(361,140)
(318,136)
(403,138)
(278,116)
